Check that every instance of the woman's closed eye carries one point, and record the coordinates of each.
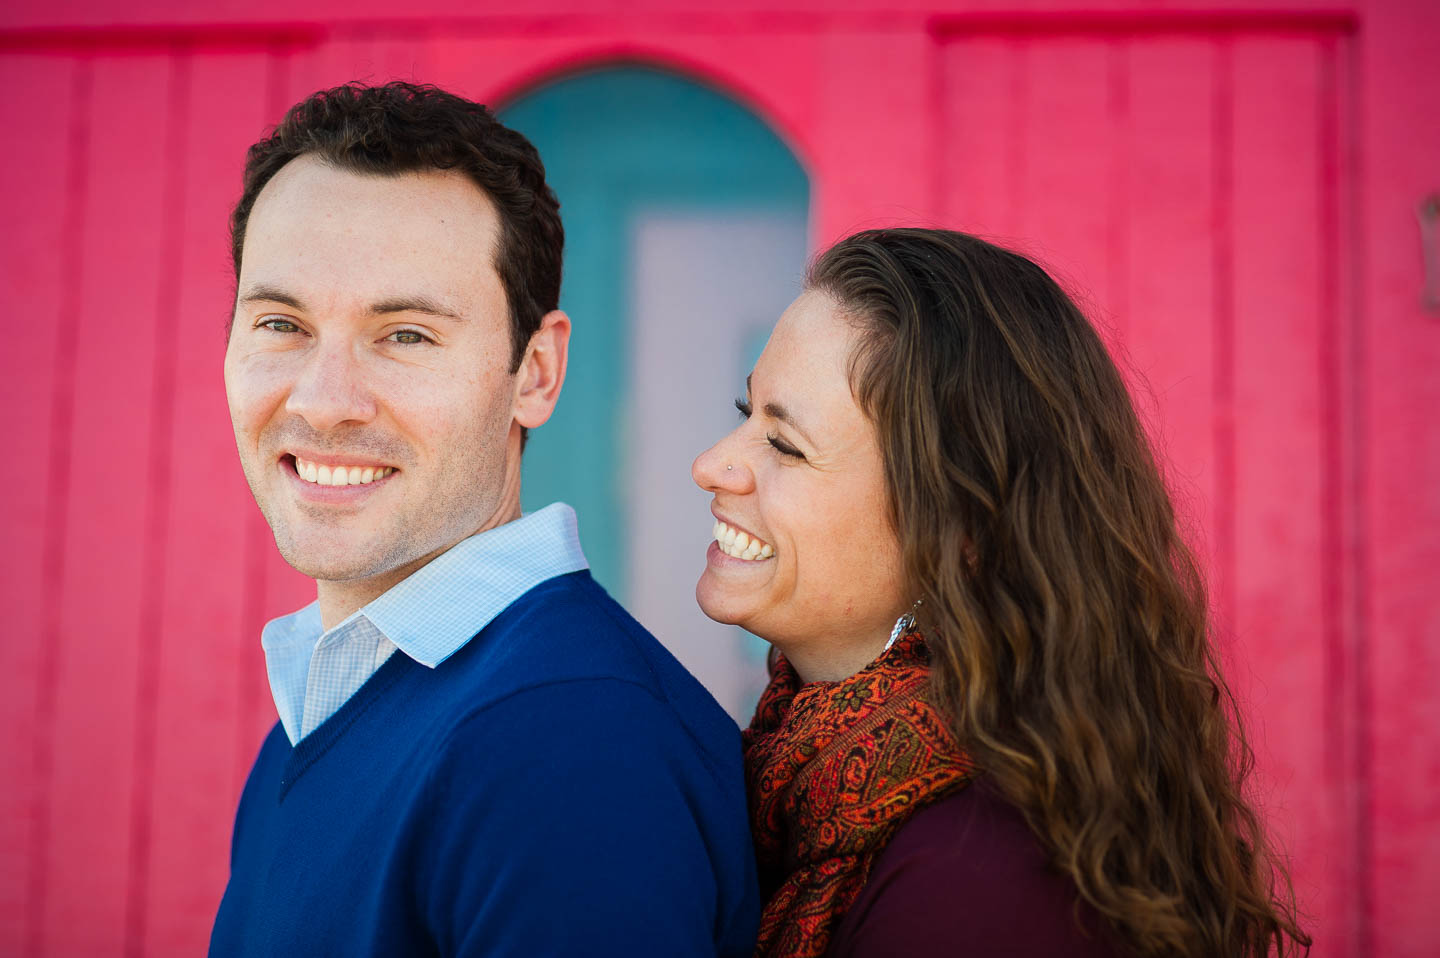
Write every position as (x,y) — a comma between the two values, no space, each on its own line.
(779,445)
(784,448)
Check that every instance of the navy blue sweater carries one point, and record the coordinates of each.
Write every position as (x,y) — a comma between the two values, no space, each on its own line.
(559,786)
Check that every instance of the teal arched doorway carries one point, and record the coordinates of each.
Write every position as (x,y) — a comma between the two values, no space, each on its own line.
(685,219)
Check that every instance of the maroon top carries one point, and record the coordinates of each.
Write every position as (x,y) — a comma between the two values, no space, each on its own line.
(967,876)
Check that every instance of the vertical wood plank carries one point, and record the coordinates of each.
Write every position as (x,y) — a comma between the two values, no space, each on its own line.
(43,211)
(171,128)
(887,179)
(1222,279)
(1068,166)
(1340,408)
(1168,330)
(1280,563)
(203,642)
(1034,133)
(977,110)
(1400,531)
(1120,187)
(88,860)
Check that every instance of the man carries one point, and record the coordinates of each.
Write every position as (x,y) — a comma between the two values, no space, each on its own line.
(479,752)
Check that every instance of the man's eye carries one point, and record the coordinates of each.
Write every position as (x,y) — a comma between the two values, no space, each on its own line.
(408,337)
(278,324)
(744,407)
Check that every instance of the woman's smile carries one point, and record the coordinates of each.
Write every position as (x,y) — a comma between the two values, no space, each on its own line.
(739,544)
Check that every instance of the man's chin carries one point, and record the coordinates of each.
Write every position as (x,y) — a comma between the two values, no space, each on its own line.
(337,562)
(323,570)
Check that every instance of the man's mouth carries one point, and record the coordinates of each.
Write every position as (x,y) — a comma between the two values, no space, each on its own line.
(740,545)
(325,475)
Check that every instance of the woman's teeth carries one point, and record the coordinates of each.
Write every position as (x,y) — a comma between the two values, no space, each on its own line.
(339,475)
(739,544)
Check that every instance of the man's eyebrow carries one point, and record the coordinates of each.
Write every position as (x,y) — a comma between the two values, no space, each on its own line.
(271,294)
(776,411)
(413,304)
(263,293)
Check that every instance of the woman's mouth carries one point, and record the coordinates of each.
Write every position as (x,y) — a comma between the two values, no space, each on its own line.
(740,545)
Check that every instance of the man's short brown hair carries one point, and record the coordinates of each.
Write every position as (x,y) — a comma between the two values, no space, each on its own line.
(406,127)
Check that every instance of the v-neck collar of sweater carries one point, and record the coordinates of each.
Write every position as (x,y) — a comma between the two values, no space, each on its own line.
(313,747)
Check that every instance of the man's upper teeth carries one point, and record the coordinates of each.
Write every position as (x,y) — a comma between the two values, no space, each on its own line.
(339,475)
(739,544)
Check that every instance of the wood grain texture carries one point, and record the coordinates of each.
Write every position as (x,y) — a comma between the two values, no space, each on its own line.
(97,715)
(36,384)
(1232,192)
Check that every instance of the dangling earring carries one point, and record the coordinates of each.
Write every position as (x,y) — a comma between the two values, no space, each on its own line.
(903,624)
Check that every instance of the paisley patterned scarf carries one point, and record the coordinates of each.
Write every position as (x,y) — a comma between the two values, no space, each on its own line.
(833,769)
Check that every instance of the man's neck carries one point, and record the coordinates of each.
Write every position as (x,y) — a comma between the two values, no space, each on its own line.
(340,599)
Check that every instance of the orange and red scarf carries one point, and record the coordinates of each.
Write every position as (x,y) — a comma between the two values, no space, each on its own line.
(833,769)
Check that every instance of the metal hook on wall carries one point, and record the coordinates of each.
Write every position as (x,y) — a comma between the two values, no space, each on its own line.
(1428,212)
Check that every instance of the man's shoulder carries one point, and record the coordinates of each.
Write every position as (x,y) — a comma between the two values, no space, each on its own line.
(568,628)
(570,608)
(567,644)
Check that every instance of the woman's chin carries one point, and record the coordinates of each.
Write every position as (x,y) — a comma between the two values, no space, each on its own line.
(718,605)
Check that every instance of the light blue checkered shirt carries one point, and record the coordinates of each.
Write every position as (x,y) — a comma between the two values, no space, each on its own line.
(428,616)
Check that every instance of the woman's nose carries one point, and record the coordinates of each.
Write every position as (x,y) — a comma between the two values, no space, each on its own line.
(719,468)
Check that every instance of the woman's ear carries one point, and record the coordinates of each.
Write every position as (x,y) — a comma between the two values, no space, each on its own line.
(542,371)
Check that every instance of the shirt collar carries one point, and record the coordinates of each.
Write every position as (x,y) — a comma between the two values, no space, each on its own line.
(431,614)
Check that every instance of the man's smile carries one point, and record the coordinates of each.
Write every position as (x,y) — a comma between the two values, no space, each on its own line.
(338,474)
(336,483)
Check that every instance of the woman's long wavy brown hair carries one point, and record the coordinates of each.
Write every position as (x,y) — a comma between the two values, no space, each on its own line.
(1068,618)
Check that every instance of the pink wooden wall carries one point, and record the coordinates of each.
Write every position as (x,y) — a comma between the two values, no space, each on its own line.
(1233,187)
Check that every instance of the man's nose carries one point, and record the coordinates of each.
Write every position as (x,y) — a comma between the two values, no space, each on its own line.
(332,388)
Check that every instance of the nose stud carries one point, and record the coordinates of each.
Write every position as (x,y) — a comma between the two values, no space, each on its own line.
(728,468)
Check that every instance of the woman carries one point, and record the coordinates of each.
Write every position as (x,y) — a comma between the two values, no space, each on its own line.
(995,723)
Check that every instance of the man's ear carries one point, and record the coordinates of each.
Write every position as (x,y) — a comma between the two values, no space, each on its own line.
(542,371)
